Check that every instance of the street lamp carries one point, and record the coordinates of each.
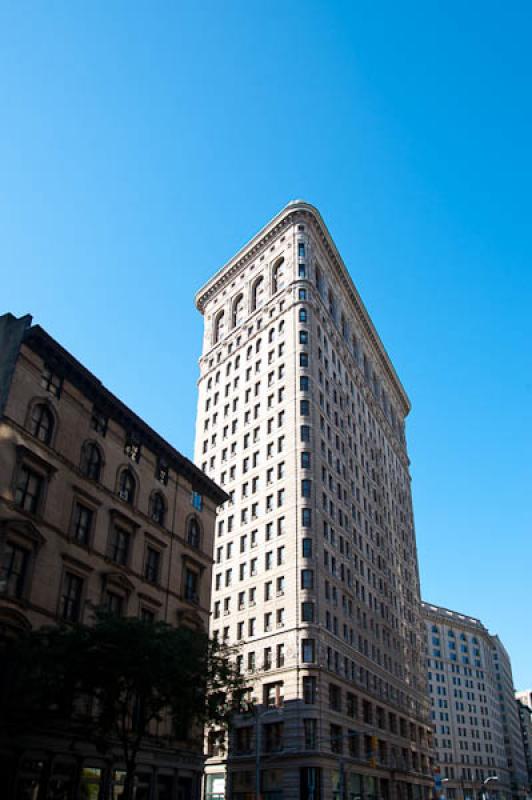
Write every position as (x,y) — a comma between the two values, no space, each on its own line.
(485,783)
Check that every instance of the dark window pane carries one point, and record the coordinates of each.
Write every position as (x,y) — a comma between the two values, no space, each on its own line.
(114,603)
(127,486)
(71,597)
(158,508)
(92,461)
(29,490)
(82,523)
(51,382)
(119,546)
(193,533)
(197,501)
(191,586)
(42,423)
(13,570)
(151,567)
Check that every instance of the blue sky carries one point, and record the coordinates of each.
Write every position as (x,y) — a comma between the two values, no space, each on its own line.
(142,143)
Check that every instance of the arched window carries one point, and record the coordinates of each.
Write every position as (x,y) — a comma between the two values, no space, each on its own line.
(257,293)
(126,486)
(91,461)
(42,423)
(219,327)
(193,532)
(278,275)
(332,304)
(238,310)
(158,508)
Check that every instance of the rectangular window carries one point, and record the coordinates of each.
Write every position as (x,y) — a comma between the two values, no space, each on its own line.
(306,517)
(82,523)
(306,548)
(71,597)
(336,738)
(304,383)
(29,490)
(119,545)
(114,603)
(14,569)
(303,359)
(273,737)
(147,615)
(306,488)
(310,689)
(305,460)
(308,650)
(335,697)
(51,381)
(197,501)
(151,565)
(307,612)
(307,579)
(304,408)
(310,728)
(273,693)
(191,586)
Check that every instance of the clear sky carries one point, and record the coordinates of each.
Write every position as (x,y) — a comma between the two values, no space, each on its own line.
(142,143)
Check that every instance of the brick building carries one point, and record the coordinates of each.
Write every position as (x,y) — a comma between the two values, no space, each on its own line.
(96,510)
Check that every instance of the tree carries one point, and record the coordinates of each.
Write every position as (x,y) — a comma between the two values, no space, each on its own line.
(119,683)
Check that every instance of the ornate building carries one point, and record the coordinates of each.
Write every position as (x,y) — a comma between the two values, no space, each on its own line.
(96,510)
(477,738)
(301,420)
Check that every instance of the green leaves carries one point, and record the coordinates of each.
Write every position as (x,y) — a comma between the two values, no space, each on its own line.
(119,677)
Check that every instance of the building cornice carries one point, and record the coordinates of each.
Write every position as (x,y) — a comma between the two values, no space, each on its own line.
(40,342)
(292,212)
(450,617)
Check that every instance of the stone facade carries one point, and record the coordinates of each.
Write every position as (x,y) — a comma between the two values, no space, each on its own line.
(476,735)
(513,740)
(96,510)
(301,420)
(524,709)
